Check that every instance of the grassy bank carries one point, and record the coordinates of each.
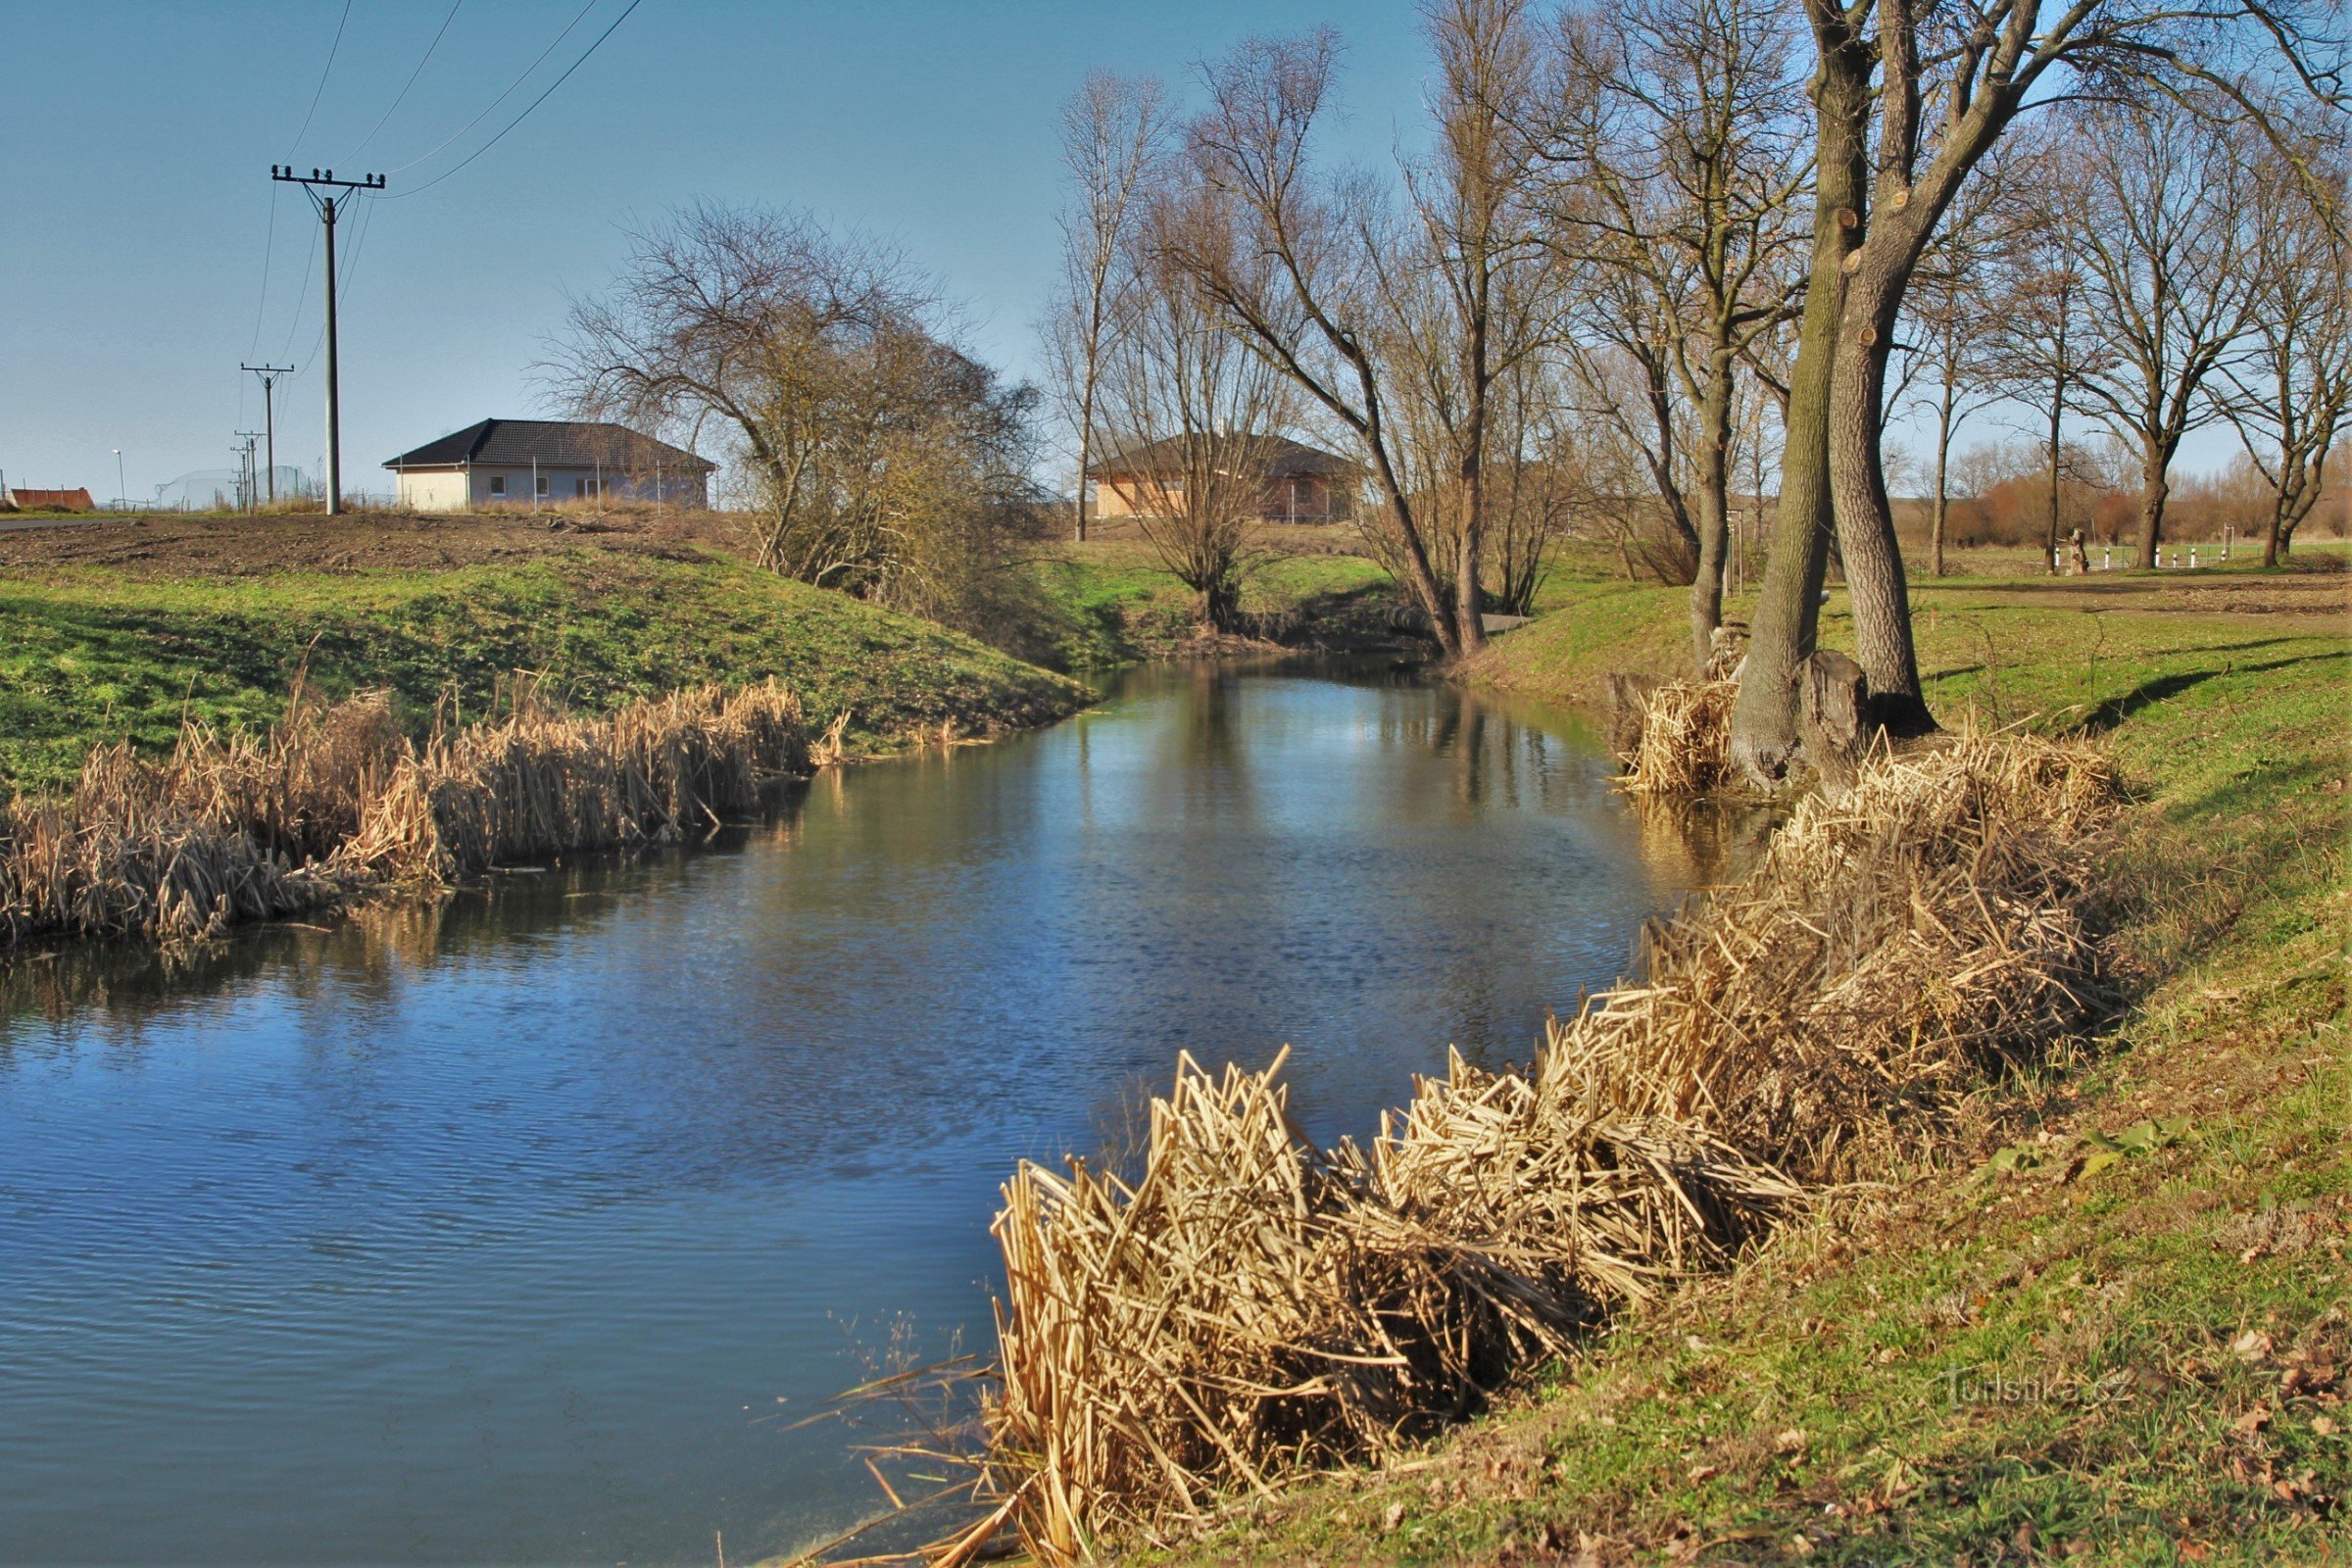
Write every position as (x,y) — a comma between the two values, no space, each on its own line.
(2111,1325)
(1111,602)
(91,652)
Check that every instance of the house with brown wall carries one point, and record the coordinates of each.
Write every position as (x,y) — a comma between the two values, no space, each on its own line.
(1303,483)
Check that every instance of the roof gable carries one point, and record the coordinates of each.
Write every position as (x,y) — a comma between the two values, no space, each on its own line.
(551,443)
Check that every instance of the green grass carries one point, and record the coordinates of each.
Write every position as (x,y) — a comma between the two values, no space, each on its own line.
(2168,1325)
(88,656)
(1112,602)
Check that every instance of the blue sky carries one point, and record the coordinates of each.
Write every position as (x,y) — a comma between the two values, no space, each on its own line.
(135,142)
(136,136)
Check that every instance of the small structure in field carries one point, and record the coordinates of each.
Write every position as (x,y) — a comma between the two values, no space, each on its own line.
(1303,483)
(524,463)
(23,499)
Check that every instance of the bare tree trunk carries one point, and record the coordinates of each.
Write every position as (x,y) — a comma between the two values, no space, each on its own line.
(1939,516)
(2049,542)
(1867,546)
(1764,720)
(1714,510)
(2155,487)
(1086,438)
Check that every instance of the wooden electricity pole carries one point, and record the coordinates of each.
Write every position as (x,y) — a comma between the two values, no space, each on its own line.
(329,205)
(270,375)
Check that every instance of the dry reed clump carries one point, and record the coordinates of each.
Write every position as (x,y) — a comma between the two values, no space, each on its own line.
(1250,1308)
(542,783)
(334,804)
(1684,744)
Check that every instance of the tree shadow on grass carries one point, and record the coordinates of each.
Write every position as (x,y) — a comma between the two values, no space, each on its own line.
(2115,710)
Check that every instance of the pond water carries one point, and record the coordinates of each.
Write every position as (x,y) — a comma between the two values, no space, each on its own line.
(522,1228)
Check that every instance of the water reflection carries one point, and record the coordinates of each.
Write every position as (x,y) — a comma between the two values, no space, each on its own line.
(498,1229)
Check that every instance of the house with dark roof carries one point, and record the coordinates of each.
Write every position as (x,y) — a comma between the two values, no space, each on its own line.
(532,463)
(1302,483)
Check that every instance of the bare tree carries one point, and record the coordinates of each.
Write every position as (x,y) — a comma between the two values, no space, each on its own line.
(1113,139)
(1482,307)
(1539,482)
(1908,99)
(2289,394)
(878,457)
(1313,315)
(2151,199)
(1678,154)
(1623,389)
(1950,348)
(1196,417)
(2043,346)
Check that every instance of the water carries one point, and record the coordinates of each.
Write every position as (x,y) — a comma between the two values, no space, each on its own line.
(522,1228)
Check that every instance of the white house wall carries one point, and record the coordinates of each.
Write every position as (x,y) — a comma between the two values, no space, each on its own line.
(463,490)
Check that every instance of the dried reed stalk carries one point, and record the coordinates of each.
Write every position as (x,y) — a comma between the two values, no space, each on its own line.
(1683,744)
(334,804)
(1251,1308)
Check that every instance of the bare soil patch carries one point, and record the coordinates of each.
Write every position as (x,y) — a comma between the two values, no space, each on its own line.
(165,546)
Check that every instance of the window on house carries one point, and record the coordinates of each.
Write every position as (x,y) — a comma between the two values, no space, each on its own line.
(579,487)
(498,486)
(543,484)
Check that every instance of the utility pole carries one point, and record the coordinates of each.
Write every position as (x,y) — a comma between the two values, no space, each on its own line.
(249,437)
(329,206)
(270,375)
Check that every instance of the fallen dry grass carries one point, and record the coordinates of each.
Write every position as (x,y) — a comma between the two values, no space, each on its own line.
(1250,1309)
(334,804)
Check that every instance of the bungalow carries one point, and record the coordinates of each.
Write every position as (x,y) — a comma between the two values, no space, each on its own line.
(525,462)
(1303,483)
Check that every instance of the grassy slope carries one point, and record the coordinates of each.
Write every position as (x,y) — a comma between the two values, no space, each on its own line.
(88,653)
(1112,602)
(1813,1393)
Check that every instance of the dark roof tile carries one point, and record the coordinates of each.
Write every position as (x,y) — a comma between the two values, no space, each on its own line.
(553,443)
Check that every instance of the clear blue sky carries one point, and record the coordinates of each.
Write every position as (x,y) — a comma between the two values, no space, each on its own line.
(136,141)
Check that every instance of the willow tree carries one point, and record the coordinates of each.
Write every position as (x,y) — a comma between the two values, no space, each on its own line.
(1371,304)
(1908,99)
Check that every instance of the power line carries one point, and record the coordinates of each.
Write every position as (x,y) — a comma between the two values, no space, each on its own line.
(260,309)
(412,81)
(534,103)
(320,92)
(501,97)
(268,249)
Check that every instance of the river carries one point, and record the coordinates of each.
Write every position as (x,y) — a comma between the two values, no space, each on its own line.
(524,1228)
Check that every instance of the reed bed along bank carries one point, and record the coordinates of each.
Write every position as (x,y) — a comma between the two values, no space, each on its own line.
(1250,1309)
(1679,742)
(335,803)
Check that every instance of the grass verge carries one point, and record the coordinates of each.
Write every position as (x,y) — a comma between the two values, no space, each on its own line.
(2111,1326)
(91,654)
